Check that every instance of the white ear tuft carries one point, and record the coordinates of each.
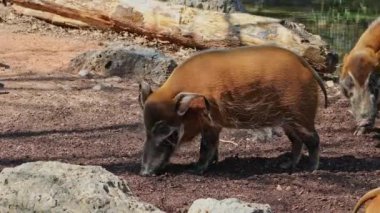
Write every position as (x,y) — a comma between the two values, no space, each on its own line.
(144,92)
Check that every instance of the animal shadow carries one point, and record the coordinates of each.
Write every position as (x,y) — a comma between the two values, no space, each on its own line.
(238,168)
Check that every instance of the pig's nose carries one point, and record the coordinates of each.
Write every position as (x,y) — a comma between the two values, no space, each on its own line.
(364,122)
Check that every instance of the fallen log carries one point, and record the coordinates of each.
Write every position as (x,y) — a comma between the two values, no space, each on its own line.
(189,26)
(51,17)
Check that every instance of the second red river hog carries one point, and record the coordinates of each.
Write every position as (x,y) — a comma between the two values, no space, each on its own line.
(241,88)
(371,200)
(360,78)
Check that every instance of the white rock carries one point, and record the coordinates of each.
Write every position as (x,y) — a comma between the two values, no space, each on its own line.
(211,205)
(84,73)
(59,187)
(102,86)
(98,87)
(116,79)
(330,84)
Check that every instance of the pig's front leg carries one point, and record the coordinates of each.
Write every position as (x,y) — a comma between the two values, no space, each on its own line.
(208,150)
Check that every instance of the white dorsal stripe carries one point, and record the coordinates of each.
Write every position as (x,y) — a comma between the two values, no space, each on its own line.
(357,83)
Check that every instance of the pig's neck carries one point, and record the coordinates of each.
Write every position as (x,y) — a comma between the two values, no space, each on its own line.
(163,94)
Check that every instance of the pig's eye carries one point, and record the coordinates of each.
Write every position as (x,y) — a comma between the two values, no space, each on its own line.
(347,92)
(346,85)
(161,128)
(164,133)
(350,94)
(349,83)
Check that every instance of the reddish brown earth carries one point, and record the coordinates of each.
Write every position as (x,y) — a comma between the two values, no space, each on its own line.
(52,115)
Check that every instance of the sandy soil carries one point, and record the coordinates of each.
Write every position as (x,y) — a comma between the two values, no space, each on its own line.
(53,115)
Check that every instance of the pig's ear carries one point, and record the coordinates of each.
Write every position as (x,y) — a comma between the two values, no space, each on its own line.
(144,91)
(185,101)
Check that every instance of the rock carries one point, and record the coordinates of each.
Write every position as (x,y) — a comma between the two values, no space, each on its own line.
(102,86)
(225,6)
(211,205)
(85,73)
(98,87)
(265,134)
(116,79)
(122,60)
(60,187)
(330,84)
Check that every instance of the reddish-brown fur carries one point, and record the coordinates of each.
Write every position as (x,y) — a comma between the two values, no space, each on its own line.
(371,200)
(365,53)
(248,87)
(359,77)
(213,76)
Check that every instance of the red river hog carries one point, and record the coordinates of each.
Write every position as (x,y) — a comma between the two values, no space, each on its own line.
(372,201)
(360,78)
(243,88)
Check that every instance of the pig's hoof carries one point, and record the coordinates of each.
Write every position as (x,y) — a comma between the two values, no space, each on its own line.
(198,169)
(313,167)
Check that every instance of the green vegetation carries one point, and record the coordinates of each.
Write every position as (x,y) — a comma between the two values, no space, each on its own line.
(339,22)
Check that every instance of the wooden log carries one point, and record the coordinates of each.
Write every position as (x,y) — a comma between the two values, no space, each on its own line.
(51,17)
(190,26)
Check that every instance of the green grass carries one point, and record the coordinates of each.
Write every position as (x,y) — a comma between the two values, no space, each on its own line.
(339,22)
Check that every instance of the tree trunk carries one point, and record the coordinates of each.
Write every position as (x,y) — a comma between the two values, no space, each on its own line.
(186,26)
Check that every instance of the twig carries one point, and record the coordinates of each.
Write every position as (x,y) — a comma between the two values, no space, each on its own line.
(231,142)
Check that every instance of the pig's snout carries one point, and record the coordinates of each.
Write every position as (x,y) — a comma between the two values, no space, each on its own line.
(147,171)
(365,123)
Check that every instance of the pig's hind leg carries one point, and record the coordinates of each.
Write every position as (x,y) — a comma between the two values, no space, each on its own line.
(299,135)
(297,146)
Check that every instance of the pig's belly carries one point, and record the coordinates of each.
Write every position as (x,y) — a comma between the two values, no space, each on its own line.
(255,109)
(256,118)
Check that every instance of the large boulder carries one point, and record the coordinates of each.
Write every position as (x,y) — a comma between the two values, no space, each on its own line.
(211,205)
(60,187)
(124,61)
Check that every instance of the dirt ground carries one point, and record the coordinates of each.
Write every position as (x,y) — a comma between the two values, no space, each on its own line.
(54,115)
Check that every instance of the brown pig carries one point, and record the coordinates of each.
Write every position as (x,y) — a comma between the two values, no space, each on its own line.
(372,201)
(360,78)
(244,88)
